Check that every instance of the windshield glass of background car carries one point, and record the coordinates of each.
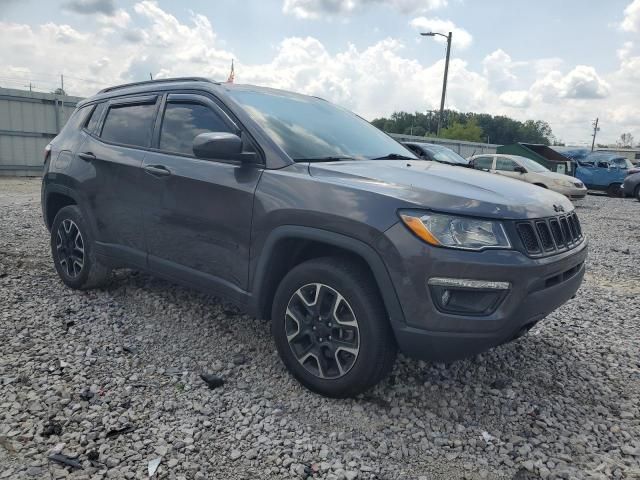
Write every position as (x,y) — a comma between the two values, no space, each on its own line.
(446,155)
(307,127)
(532,166)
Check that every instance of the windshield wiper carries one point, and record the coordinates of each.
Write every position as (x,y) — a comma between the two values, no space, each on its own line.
(394,156)
(334,158)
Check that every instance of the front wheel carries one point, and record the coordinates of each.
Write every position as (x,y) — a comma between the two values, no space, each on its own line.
(331,328)
(72,251)
(614,190)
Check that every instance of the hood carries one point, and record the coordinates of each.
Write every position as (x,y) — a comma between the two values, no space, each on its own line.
(444,188)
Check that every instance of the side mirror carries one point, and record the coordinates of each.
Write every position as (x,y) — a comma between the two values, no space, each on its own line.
(519,169)
(222,146)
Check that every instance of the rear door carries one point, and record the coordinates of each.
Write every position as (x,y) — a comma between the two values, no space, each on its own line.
(198,213)
(115,150)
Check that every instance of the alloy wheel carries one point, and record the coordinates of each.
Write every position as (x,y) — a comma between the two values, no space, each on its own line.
(70,248)
(322,331)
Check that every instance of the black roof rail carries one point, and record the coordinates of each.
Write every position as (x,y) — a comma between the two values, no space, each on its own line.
(159,80)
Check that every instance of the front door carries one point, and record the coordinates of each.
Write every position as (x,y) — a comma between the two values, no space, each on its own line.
(507,167)
(197,219)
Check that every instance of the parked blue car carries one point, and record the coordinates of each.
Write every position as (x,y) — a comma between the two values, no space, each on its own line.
(604,171)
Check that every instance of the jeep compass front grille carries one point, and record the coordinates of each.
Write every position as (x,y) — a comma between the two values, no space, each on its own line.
(546,236)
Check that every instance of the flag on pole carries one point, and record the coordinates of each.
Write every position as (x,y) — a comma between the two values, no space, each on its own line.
(232,74)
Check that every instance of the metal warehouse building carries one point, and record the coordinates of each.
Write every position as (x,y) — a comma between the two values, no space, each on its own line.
(28,121)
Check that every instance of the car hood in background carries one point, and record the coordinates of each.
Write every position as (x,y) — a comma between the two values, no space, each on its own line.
(557,176)
(431,185)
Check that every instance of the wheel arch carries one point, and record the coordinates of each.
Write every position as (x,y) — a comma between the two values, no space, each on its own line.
(288,246)
(56,198)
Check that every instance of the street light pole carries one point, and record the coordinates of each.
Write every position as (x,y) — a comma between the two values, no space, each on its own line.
(446,73)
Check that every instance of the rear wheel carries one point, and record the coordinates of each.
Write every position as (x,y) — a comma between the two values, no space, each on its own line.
(73,253)
(331,328)
(614,190)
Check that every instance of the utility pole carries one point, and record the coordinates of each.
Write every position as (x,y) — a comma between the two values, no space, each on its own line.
(62,90)
(150,76)
(595,132)
(446,73)
(444,82)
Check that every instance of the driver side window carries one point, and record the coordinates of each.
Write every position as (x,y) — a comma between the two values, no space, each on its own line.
(505,164)
(183,121)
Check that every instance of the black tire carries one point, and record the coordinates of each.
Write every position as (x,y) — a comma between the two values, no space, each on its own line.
(614,190)
(375,342)
(91,273)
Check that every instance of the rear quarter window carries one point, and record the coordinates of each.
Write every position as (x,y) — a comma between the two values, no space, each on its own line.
(92,124)
(77,119)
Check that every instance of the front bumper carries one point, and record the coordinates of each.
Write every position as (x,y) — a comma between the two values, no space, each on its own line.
(537,287)
(571,192)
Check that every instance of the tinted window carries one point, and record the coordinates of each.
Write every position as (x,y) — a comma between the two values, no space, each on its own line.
(483,163)
(185,121)
(308,127)
(505,164)
(92,124)
(129,124)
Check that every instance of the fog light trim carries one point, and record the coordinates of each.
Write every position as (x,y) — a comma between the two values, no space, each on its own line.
(468,283)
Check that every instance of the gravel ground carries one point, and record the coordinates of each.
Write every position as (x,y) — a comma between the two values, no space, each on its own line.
(111,378)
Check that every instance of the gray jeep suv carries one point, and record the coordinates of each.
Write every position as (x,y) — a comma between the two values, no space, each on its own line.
(303,213)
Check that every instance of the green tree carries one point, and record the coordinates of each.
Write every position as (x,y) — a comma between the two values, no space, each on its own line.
(495,129)
(469,131)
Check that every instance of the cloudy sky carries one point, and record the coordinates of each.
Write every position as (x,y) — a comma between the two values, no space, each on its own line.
(566,62)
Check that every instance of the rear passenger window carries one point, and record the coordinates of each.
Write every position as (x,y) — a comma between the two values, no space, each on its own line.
(183,122)
(129,124)
(92,124)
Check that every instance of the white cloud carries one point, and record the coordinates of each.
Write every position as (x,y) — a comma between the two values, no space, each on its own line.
(498,68)
(314,9)
(516,98)
(583,82)
(631,21)
(461,38)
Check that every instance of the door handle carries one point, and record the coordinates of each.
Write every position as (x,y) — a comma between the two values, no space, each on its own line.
(87,156)
(158,170)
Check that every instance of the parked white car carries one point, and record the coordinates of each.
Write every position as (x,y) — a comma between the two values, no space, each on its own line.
(525,169)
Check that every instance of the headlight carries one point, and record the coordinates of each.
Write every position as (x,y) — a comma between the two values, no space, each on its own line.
(456,232)
(564,183)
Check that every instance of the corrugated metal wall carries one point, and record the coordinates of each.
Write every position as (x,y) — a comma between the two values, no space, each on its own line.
(28,121)
(464,149)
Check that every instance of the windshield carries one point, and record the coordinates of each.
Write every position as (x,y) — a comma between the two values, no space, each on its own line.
(308,128)
(443,154)
(610,158)
(531,165)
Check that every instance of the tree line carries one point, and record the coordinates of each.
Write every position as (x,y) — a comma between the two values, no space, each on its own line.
(472,127)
